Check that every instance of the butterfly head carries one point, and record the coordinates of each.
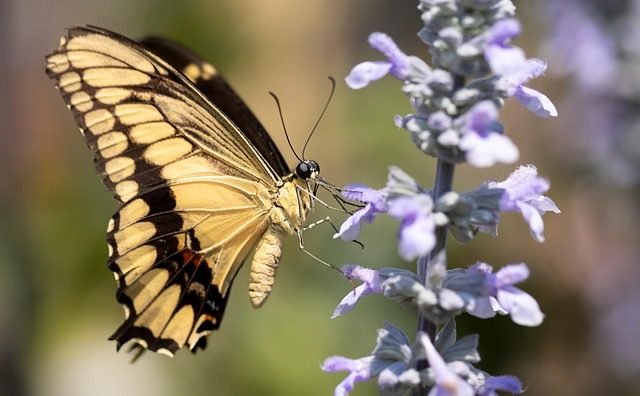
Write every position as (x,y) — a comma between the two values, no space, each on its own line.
(307,170)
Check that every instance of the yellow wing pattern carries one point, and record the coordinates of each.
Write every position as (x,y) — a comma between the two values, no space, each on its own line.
(196,195)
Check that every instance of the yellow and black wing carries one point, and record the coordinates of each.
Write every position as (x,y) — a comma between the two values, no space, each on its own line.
(195,191)
(211,84)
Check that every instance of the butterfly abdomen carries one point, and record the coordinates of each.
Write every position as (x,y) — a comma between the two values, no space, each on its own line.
(264,265)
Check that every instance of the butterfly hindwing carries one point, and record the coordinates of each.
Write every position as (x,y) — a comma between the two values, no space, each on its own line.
(195,193)
(181,258)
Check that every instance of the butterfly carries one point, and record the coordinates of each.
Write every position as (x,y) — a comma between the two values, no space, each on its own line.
(200,183)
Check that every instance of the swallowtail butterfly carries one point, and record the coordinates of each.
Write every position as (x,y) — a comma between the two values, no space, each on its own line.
(200,183)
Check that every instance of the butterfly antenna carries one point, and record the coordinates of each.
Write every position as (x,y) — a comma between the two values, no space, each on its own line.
(326,105)
(284,127)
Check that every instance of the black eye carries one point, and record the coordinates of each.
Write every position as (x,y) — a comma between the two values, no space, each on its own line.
(307,169)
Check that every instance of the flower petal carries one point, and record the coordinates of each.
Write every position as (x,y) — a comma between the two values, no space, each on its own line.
(536,102)
(350,300)
(506,61)
(511,274)
(359,370)
(533,219)
(398,59)
(417,238)
(507,383)
(366,72)
(484,152)
(350,229)
(362,193)
(523,308)
(482,308)
(447,382)
(371,284)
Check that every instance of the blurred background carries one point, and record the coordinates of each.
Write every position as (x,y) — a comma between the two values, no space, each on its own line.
(57,296)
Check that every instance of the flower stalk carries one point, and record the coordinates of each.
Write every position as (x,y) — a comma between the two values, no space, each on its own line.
(443,184)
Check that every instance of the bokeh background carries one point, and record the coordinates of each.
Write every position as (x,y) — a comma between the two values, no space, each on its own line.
(57,304)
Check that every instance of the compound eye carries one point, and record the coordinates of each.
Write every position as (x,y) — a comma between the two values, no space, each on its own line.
(307,169)
(303,170)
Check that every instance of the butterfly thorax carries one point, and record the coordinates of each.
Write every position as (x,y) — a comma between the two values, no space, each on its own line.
(295,197)
(291,205)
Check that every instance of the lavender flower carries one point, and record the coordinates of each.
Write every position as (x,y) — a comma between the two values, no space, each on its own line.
(482,141)
(402,199)
(371,284)
(507,383)
(477,290)
(503,58)
(447,382)
(600,143)
(390,362)
(456,102)
(359,370)
(511,64)
(397,65)
(416,235)
(508,299)
(375,203)
(385,280)
(523,193)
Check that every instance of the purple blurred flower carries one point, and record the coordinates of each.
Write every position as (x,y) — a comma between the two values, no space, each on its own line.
(515,69)
(448,383)
(371,284)
(366,72)
(506,298)
(578,41)
(359,370)
(375,203)
(481,143)
(416,236)
(507,383)
(523,193)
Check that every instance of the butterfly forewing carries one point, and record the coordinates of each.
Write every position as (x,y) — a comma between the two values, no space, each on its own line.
(197,194)
(211,84)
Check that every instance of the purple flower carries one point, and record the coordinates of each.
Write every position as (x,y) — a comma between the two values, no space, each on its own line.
(397,64)
(416,236)
(523,193)
(503,58)
(359,370)
(536,102)
(506,298)
(507,383)
(375,203)
(510,63)
(448,383)
(371,284)
(578,41)
(482,145)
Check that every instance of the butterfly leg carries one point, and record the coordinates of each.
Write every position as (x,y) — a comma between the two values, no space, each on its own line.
(318,259)
(329,220)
